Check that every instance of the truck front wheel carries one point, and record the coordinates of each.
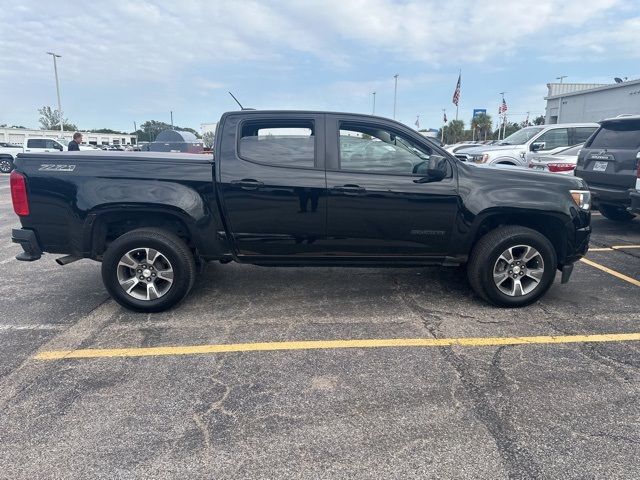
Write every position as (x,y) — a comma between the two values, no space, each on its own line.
(148,270)
(512,266)
(6,165)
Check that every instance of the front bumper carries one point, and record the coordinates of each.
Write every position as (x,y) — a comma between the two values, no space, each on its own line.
(29,243)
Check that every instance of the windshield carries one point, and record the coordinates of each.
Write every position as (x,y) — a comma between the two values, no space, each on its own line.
(521,136)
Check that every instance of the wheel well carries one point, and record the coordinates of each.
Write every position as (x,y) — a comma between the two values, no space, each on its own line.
(550,227)
(505,162)
(110,226)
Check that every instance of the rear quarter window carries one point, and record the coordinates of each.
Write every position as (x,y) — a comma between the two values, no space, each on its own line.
(625,135)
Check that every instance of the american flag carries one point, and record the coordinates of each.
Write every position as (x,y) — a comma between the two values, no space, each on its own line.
(503,107)
(456,93)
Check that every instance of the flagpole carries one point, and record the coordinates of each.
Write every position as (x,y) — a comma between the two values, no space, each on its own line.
(460,80)
(444,114)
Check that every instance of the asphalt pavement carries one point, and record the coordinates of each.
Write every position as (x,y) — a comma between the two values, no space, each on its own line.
(490,409)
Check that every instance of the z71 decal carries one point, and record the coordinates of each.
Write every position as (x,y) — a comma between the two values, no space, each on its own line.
(57,168)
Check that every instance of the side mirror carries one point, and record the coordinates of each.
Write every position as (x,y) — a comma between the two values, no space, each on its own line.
(434,170)
(57,146)
(535,146)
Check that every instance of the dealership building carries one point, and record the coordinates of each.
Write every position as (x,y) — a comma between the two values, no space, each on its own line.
(19,135)
(591,102)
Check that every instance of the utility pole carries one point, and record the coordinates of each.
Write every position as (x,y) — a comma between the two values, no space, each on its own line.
(561,78)
(171,119)
(374,103)
(55,70)
(395,95)
(444,115)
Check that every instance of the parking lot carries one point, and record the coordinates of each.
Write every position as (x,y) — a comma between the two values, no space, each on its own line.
(321,373)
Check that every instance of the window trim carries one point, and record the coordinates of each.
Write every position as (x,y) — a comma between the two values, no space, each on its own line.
(340,121)
(313,120)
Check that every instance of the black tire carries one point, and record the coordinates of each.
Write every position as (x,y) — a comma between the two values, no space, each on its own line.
(486,253)
(168,245)
(617,214)
(6,165)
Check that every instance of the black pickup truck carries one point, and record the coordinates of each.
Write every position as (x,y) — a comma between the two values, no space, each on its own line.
(305,189)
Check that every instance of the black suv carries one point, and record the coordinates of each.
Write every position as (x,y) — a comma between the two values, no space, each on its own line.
(608,162)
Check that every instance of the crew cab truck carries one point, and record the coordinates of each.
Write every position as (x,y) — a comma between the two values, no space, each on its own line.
(519,148)
(305,189)
(8,153)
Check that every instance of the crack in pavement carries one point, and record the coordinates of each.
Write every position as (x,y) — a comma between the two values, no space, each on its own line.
(489,399)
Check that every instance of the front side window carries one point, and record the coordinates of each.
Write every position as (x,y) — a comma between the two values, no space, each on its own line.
(290,144)
(618,135)
(558,137)
(51,144)
(369,148)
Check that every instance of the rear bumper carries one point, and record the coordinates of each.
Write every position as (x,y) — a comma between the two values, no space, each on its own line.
(634,196)
(29,243)
(613,196)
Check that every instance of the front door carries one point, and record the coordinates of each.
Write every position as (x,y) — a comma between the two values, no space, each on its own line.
(380,203)
(273,184)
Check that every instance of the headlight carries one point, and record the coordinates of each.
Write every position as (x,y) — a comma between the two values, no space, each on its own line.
(582,199)
(481,158)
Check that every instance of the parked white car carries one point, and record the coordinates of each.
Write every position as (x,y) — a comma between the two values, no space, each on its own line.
(518,149)
(8,154)
(563,161)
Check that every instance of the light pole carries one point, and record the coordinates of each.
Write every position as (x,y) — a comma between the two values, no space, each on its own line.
(374,103)
(55,70)
(395,95)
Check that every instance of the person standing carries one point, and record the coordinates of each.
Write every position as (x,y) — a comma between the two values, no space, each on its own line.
(74,145)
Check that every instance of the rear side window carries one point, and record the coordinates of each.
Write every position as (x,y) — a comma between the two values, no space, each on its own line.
(35,143)
(582,134)
(618,135)
(289,144)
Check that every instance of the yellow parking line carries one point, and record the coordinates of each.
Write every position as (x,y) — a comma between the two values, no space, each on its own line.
(624,247)
(332,344)
(619,275)
(600,249)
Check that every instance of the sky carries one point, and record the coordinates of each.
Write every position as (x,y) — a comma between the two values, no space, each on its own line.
(130,61)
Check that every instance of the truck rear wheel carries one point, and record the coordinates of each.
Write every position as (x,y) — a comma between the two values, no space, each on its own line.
(617,214)
(148,270)
(512,266)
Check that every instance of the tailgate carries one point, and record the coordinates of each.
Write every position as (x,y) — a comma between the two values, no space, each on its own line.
(615,168)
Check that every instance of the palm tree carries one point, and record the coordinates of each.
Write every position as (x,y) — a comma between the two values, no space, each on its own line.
(483,124)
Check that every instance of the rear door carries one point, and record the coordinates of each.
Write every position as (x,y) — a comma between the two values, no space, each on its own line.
(377,205)
(609,159)
(273,186)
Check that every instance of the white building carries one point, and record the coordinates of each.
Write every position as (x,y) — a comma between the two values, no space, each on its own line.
(18,136)
(591,102)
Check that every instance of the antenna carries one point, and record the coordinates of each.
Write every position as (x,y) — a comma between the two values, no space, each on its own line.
(234,97)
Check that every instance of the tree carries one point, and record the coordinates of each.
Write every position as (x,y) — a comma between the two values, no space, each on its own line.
(208,139)
(50,120)
(539,120)
(512,127)
(482,124)
(453,132)
(107,130)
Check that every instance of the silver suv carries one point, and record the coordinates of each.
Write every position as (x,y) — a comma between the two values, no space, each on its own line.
(518,148)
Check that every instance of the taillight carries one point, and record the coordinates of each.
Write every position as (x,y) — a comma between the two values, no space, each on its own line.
(560,167)
(19,194)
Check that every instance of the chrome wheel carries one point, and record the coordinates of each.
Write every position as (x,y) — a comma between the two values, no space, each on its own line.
(145,273)
(518,270)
